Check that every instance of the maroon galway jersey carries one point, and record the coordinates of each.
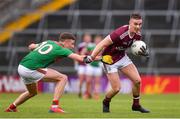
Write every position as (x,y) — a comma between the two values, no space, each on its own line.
(121,41)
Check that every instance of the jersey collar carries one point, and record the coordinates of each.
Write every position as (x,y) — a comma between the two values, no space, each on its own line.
(60,44)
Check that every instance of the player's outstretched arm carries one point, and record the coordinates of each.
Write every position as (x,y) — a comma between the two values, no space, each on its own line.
(104,43)
(83,58)
(77,57)
(32,46)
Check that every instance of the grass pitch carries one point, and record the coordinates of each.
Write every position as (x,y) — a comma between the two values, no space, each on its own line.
(161,106)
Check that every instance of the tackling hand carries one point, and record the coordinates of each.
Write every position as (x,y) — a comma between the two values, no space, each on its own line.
(87,59)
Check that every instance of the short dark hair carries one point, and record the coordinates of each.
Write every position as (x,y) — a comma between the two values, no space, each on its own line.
(135,16)
(66,35)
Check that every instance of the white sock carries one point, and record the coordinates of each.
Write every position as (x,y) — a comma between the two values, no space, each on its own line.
(54,106)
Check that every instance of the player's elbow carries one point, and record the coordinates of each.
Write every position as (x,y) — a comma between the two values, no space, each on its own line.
(33,94)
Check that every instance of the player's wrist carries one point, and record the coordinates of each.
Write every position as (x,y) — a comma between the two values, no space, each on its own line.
(92,57)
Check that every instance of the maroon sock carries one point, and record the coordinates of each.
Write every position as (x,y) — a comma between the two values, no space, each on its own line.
(136,100)
(106,101)
(12,106)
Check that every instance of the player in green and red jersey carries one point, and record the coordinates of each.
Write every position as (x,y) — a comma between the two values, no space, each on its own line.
(33,67)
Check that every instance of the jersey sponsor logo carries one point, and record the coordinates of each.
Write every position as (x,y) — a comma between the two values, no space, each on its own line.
(44,48)
(127,43)
(120,48)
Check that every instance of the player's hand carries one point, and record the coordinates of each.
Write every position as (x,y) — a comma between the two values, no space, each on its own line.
(107,59)
(87,59)
(144,52)
(32,46)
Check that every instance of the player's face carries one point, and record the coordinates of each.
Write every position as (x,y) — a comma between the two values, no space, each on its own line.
(135,25)
(97,40)
(87,38)
(69,44)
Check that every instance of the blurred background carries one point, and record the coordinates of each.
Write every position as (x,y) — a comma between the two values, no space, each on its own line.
(25,21)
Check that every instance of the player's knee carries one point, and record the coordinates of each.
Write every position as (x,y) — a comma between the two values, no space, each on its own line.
(65,78)
(33,94)
(116,89)
(137,82)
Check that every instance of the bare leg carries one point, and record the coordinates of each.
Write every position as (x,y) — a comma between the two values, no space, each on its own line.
(115,84)
(97,87)
(60,79)
(31,91)
(81,80)
(132,73)
(88,87)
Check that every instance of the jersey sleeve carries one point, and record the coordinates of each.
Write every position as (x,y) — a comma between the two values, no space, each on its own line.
(64,52)
(115,35)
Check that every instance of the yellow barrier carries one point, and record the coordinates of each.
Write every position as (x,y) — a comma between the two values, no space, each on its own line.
(27,19)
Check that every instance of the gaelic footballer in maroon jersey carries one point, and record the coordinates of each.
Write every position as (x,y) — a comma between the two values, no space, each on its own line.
(115,59)
(81,69)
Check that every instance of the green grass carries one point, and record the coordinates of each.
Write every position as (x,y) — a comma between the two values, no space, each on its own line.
(161,106)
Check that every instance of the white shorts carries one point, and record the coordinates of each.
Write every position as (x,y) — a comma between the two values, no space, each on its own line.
(30,76)
(81,69)
(125,61)
(93,71)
